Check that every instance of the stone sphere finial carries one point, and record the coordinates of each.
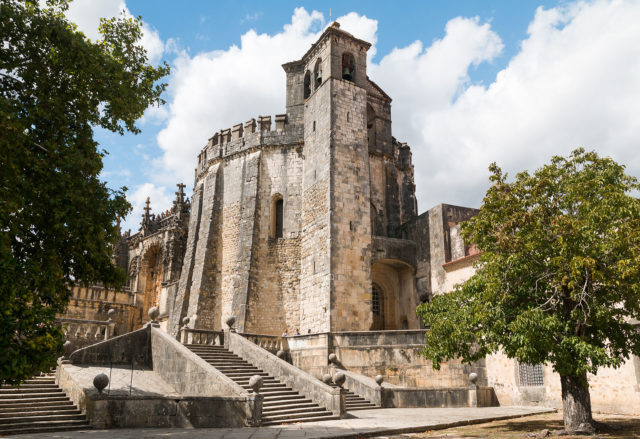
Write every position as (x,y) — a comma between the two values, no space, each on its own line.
(100,382)
(379,379)
(333,358)
(256,383)
(339,379)
(281,354)
(230,321)
(153,312)
(185,321)
(111,312)
(473,378)
(326,378)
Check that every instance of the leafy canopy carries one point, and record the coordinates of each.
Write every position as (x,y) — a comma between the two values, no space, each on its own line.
(57,219)
(558,279)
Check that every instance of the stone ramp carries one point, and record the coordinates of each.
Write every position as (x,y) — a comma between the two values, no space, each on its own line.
(38,405)
(281,404)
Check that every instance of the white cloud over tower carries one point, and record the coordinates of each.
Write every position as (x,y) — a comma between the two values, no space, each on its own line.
(574,81)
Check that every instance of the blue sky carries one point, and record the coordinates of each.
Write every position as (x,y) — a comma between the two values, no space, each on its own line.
(472,82)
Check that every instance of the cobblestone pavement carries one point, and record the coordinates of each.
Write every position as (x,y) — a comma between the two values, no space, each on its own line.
(364,423)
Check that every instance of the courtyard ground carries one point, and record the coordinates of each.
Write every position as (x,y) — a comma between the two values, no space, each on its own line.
(359,424)
(616,427)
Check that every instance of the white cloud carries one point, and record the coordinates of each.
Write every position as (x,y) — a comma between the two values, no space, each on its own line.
(575,82)
(87,13)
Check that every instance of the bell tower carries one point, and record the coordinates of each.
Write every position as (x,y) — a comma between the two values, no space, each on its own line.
(335,219)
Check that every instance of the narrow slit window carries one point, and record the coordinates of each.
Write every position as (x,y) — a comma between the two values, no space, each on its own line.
(279,218)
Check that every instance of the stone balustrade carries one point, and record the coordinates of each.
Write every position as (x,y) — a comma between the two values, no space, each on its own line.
(83,329)
(201,337)
(271,343)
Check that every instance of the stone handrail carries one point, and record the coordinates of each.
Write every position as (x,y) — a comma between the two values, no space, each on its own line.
(322,394)
(201,337)
(271,343)
(85,329)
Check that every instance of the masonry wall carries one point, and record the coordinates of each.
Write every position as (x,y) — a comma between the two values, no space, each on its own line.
(315,280)
(273,300)
(350,206)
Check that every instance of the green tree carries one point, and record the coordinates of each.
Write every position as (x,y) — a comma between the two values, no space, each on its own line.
(57,219)
(558,278)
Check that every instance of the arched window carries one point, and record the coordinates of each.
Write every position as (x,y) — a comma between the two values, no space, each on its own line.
(348,67)
(317,74)
(277,216)
(307,84)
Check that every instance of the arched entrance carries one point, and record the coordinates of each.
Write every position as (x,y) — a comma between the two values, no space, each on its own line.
(393,304)
(150,278)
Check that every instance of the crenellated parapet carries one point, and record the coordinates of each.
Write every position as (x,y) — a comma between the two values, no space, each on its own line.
(263,131)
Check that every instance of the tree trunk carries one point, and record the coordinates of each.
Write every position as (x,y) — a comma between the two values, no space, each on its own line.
(576,403)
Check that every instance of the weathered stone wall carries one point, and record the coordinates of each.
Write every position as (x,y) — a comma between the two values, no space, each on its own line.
(350,206)
(274,281)
(315,281)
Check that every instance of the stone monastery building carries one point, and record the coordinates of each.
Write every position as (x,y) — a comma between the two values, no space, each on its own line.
(309,222)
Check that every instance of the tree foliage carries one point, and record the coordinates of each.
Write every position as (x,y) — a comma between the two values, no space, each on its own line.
(57,219)
(558,280)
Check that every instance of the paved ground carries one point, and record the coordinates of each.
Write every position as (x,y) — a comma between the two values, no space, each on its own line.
(364,423)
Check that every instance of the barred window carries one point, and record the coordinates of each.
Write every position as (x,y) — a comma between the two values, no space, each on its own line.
(375,299)
(530,374)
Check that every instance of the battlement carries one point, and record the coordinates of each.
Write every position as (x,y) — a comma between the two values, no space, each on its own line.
(244,136)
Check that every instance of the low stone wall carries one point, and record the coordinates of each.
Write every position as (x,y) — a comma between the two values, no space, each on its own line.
(393,354)
(193,393)
(134,347)
(391,396)
(187,372)
(320,393)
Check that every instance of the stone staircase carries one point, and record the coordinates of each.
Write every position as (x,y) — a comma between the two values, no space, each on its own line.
(354,401)
(38,406)
(281,405)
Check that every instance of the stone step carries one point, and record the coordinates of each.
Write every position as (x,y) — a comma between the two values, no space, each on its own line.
(268,396)
(291,410)
(44,418)
(284,399)
(277,405)
(30,384)
(363,407)
(9,411)
(44,427)
(266,386)
(8,397)
(303,417)
(33,401)
(233,375)
(217,363)
(23,390)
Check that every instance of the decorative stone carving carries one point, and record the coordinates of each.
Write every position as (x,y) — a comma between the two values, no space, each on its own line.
(230,321)
(101,381)
(281,354)
(256,383)
(333,358)
(339,379)
(473,378)
(326,378)
(154,312)
(379,379)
